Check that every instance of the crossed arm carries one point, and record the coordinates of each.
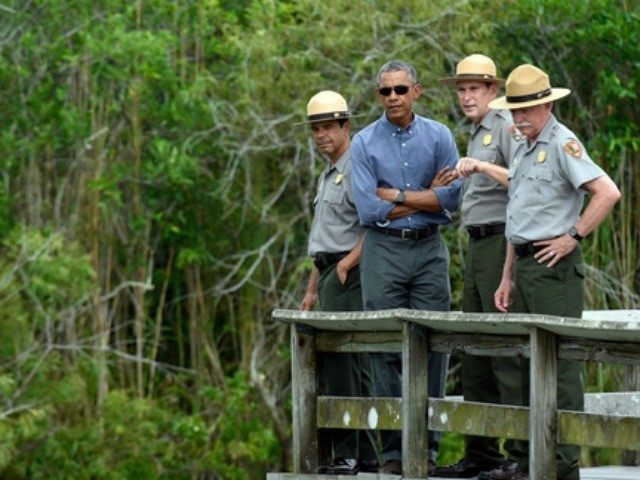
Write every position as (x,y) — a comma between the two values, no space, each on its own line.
(415,201)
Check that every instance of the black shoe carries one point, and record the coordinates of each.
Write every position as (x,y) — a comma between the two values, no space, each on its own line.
(368,466)
(345,466)
(465,468)
(393,467)
(506,471)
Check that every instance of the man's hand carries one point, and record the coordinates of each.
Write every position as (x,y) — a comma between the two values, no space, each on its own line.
(388,194)
(309,301)
(342,270)
(467,166)
(444,177)
(555,249)
(502,297)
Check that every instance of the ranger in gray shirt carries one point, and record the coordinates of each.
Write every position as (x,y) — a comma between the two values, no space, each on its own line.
(484,204)
(334,244)
(543,272)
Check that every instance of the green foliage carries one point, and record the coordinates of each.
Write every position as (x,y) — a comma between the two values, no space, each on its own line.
(155,205)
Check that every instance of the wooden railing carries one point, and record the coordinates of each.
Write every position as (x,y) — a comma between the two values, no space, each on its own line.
(602,336)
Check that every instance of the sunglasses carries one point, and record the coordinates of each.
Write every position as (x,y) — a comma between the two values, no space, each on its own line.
(399,89)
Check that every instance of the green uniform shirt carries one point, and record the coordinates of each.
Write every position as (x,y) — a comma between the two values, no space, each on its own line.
(545,179)
(336,227)
(484,200)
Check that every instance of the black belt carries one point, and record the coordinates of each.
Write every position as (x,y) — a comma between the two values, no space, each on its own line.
(323,260)
(476,232)
(527,249)
(408,233)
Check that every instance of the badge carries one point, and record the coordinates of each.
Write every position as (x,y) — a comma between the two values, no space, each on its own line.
(486,140)
(338,179)
(573,148)
(542,156)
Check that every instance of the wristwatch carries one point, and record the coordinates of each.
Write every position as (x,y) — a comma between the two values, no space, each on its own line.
(573,232)
(400,197)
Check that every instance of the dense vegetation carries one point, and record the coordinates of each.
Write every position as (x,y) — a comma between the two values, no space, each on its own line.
(155,202)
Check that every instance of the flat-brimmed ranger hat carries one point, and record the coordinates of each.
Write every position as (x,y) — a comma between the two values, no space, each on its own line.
(528,86)
(474,68)
(325,106)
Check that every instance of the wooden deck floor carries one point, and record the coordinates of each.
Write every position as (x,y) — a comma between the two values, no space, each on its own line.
(593,473)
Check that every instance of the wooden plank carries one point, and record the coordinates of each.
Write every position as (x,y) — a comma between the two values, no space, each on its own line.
(415,350)
(583,350)
(574,349)
(592,430)
(543,400)
(474,418)
(612,325)
(304,393)
(476,344)
(632,382)
(359,413)
(353,342)
(452,414)
(613,403)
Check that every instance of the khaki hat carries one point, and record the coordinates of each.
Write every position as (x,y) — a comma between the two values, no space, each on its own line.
(527,86)
(325,106)
(474,68)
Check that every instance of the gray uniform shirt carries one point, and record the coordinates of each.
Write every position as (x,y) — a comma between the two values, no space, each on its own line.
(336,227)
(484,200)
(545,198)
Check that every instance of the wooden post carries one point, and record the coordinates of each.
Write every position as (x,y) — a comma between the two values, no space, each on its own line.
(304,395)
(631,383)
(543,415)
(415,350)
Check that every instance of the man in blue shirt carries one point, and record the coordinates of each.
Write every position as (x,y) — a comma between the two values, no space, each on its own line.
(404,262)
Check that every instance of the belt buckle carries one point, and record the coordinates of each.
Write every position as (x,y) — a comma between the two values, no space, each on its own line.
(405,232)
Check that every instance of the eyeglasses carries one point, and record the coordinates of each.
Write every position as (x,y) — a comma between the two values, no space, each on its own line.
(399,89)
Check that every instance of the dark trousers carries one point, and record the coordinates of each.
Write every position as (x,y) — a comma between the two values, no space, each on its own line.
(482,377)
(552,291)
(343,374)
(402,273)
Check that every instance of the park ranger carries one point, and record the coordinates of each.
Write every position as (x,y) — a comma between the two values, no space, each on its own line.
(483,212)
(335,243)
(543,272)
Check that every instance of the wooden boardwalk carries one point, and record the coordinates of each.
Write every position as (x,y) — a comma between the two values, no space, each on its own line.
(595,473)
(601,336)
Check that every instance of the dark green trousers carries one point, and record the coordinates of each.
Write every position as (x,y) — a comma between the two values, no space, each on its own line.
(552,291)
(482,377)
(343,374)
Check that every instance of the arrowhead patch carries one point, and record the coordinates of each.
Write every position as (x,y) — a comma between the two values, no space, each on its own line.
(573,148)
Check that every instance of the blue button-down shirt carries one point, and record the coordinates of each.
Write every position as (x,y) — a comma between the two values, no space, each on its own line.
(384,155)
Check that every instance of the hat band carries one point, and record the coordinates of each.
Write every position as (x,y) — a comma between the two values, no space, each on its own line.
(327,116)
(526,98)
(476,75)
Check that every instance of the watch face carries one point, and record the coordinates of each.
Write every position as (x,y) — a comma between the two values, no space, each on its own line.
(400,197)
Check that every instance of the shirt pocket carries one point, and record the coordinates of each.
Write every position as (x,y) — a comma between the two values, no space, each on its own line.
(541,178)
(488,154)
(334,197)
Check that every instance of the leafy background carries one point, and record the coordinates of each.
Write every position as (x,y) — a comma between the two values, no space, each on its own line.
(155,202)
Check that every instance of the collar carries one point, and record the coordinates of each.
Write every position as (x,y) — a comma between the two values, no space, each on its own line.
(394,129)
(340,164)
(545,134)
(486,122)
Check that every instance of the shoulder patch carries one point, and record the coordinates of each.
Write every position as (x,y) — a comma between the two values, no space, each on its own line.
(573,148)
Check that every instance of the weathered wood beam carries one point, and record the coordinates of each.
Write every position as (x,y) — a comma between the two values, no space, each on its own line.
(304,393)
(574,349)
(415,351)
(485,419)
(591,430)
(543,427)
